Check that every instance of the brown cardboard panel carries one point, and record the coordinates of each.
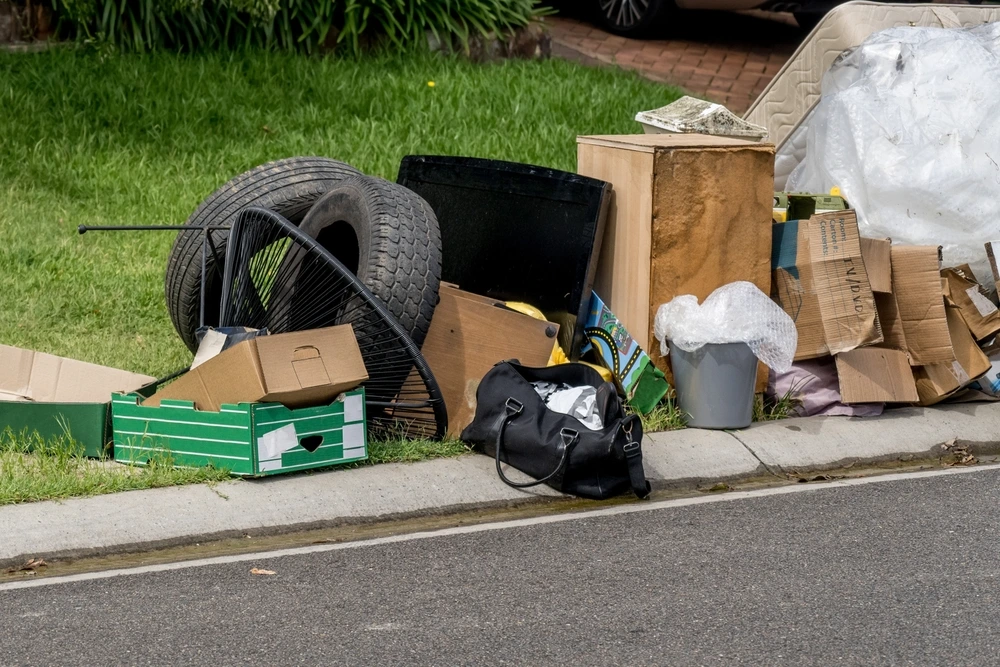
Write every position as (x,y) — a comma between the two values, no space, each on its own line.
(935,382)
(875,375)
(916,282)
(46,378)
(827,292)
(299,369)
(977,309)
(877,255)
(467,337)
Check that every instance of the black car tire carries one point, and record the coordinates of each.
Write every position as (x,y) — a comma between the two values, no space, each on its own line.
(288,187)
(632,18)
(389,237)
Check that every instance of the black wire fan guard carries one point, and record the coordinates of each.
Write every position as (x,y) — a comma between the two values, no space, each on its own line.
(278,277)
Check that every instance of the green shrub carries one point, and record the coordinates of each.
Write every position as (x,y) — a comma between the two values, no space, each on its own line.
(306,25)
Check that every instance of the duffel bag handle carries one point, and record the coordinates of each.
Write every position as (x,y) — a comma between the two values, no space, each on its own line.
(633,459)
(513,408)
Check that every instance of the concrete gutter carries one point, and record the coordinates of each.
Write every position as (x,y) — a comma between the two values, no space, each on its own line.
(680,460)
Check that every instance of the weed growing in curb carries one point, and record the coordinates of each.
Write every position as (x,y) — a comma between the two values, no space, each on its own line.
(772,409)
(665,417)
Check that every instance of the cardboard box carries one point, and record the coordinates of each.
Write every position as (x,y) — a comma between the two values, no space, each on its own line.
(976,307)
(919,299)
(248,439)
(877,255)
(875,375)
(299,369)
(820,280)
(689,214)
(936,382)
(52,396)
(468,335)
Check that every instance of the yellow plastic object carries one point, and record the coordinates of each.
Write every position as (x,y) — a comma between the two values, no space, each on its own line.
(605,372)
(558,355)
(527,309)
(835,192)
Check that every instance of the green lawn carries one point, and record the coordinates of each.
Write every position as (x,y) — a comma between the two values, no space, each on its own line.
(91,138)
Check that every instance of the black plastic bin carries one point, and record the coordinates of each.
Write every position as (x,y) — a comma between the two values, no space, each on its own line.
(516,232)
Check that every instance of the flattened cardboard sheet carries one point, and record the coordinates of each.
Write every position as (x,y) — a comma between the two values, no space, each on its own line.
(936,382)
(916,283)
(820,280)
(875,375)
(26,375)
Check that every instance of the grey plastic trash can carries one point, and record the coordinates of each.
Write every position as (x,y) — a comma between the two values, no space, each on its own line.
(715,384)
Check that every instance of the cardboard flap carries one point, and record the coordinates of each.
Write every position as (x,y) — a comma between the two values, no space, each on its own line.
(877,255)
(916,281)
(935,382)
(46,378)
(875,375)
(977,309)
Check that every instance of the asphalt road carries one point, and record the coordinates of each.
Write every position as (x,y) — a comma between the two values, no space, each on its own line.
(899,572)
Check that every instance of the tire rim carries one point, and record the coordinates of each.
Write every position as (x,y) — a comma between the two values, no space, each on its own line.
(624,13)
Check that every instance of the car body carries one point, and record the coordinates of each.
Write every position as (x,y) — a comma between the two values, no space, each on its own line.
(635,18)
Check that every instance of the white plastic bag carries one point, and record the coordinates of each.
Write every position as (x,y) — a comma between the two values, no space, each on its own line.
(735,313)
(907,128)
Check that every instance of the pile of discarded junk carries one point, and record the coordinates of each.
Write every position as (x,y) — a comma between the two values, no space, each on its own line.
(537,313)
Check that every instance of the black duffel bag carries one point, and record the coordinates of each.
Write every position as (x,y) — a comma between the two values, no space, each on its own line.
(514,426)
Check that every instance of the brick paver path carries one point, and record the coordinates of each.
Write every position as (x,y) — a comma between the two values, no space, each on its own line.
(727,58)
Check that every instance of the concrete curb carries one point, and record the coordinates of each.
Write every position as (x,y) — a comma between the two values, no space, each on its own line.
(690,459)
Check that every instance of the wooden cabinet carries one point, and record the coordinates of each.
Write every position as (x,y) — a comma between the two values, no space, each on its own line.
(689,213)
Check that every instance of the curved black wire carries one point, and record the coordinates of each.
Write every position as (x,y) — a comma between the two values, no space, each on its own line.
(278,277)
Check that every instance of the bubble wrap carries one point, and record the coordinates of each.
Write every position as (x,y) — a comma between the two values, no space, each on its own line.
(907,128)
(735,313)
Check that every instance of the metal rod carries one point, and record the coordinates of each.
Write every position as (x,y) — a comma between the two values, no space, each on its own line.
(83,229)
(204,263)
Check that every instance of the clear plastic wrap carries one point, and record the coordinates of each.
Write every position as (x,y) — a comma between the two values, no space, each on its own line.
(735,313)
(907,129)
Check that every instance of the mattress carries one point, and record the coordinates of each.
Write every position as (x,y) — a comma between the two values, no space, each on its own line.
(785,104)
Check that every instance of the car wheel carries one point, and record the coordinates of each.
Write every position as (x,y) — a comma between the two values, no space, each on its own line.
(632,18)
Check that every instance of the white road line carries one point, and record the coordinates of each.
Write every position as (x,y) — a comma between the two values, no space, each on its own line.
(632,508)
